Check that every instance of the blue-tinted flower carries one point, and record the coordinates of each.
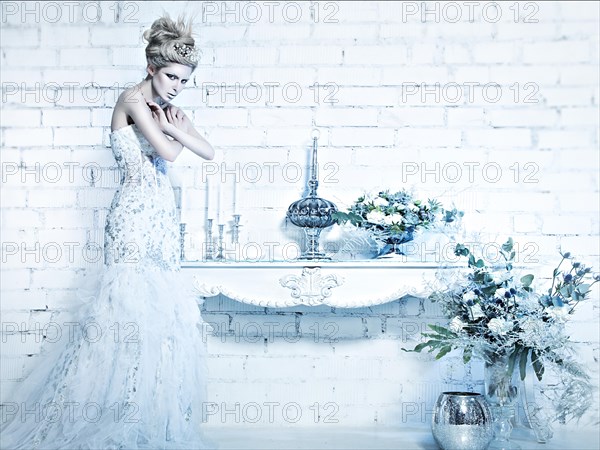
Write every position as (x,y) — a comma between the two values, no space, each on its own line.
(576,264)
(566,255)
(568,278)
(546,300)
(513,291)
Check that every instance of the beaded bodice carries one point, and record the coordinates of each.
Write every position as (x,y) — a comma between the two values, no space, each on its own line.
(141,226)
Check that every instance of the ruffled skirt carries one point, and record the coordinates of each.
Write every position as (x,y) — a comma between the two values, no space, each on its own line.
(124,369)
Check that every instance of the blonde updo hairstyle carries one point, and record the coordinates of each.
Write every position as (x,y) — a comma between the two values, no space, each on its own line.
(163,37)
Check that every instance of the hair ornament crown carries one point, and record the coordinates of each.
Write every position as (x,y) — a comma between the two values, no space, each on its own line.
(186,51)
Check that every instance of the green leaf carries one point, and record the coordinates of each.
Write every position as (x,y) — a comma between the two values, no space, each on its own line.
(467,353)
(444,350)
(566,290)
(508,245)
(443,331)
(489,290)
(479,263)
(523,363)
(487,278)
(526,280)
(471,260)
(433,344)
(583,288)
(421,346)
(461,250)
(342,217)
(512,359)
(538,366)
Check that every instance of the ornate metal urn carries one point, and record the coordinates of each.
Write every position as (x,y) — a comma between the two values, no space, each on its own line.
(312,213)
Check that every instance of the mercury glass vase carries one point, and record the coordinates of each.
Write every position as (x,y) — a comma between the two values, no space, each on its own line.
(501,392)
(462,421)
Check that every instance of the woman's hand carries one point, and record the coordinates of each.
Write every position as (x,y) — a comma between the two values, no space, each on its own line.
(174,123)
(176,117)
(159,116)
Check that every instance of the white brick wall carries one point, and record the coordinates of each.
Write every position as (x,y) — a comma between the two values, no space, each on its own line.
(394,91)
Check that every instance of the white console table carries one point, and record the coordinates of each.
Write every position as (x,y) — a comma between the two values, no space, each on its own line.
(343,284)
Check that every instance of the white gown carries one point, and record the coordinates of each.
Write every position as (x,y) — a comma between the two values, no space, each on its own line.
(129,369)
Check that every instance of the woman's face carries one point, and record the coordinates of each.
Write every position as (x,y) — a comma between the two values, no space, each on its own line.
(169,81)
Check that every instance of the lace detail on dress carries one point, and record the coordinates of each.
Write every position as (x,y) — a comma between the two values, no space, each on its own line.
(141,227)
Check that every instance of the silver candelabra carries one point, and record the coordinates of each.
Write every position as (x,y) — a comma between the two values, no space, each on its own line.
(182,241)
(218,243)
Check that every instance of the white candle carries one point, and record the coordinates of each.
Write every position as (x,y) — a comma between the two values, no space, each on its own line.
(235,196)
(182,204)
(209,193)
(219,200)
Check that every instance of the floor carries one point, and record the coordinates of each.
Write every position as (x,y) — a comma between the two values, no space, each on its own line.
(264,438)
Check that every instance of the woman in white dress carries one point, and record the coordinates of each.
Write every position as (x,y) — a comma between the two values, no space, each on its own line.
(128,369)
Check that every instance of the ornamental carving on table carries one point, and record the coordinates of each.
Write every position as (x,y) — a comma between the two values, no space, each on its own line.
(311,288)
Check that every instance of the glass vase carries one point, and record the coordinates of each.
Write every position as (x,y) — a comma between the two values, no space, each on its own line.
(535,407)
(501,393)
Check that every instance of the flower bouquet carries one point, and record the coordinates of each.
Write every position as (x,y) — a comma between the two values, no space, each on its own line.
(393,218)
(500,318)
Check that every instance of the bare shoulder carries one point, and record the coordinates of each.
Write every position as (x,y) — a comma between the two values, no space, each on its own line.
(128,102)
(130,97)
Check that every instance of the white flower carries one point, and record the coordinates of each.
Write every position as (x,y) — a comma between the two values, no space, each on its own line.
(476,311)
(400,206)
(456,325)
(376,217)
(392,219)
(542,334)
(380,202)
(500,326)
(531,330)
(500,292)
(469,296)
(558,313)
